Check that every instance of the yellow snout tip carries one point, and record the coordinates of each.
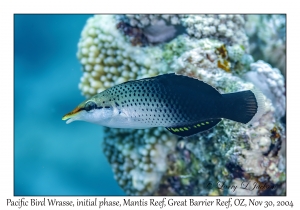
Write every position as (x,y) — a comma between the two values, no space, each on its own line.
(71,114)
(65,117)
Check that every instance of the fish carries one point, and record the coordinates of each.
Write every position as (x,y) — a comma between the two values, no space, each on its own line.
(184,105)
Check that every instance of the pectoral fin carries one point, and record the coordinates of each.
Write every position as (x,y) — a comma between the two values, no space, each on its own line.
(191,129)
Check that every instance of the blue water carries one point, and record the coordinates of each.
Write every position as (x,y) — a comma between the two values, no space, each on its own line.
(50,157)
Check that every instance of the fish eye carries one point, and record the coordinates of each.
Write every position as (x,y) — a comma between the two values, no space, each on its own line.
(90,105)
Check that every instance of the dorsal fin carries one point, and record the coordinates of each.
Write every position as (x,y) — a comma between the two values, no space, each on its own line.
(191,129)
(181,81)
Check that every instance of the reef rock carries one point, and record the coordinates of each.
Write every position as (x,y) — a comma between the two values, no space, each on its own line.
(212,48)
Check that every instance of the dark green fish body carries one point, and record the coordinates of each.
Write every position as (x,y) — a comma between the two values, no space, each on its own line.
(184,105)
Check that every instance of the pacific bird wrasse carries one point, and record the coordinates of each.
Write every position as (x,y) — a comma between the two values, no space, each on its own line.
(183,105)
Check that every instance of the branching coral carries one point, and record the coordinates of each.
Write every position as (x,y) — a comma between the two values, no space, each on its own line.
(107,59)
(228,29)
(115,49)
(268,39)
(270,81)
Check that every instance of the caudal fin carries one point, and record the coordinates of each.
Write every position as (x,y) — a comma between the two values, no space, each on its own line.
(245,106)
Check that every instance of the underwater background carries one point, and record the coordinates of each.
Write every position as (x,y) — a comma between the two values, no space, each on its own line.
(50,157)
(60,60)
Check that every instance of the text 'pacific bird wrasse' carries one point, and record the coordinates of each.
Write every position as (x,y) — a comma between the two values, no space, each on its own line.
(184,105)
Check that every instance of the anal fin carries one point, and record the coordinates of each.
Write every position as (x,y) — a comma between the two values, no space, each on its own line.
(191,129)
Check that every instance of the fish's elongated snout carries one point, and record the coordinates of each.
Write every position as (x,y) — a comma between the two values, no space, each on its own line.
(65,117)
(72,116)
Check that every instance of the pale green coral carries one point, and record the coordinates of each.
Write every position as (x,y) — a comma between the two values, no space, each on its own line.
(271,82)
(228,29)
(138,157)
(268,39)
(211,55)
(231,142)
